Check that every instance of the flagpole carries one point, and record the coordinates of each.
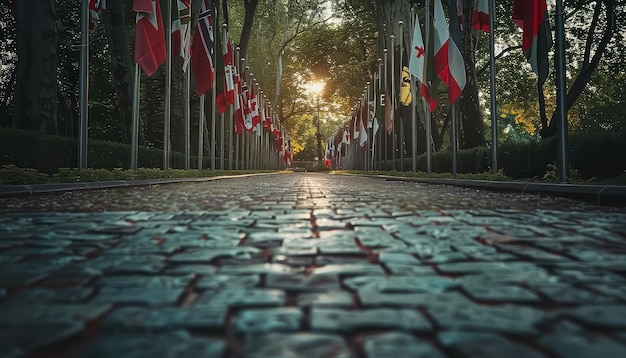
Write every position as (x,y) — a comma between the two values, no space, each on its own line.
(187,121)
(401,120)
(427,113)
(201,123)
(386,103)
(84,86)
(237,87)
(453,31)
(492,82)
(413,107)
(134,135)
(561,95)
(168,88)
(392,96)
(367,119)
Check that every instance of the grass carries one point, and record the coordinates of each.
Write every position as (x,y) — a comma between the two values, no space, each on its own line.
(12,175)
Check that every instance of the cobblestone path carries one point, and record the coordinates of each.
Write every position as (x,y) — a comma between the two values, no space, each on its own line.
(310,265)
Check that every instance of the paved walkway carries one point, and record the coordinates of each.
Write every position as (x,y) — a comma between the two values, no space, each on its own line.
(310,265)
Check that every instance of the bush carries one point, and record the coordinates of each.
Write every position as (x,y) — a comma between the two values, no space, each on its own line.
(12,175)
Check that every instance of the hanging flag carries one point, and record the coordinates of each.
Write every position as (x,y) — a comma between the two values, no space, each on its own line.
(480,16)
(532,17)
(355,122)
(441,42)
(405,87)
(388,114)
(237,107)
(202,49)
(227,95)
(363,122)
(456,76)
(245,103)
(149,38)
(181,31)
(421,57)
(95,9)
(375,127)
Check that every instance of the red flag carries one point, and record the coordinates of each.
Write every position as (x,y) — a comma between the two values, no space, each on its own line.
(237,105)
(244,99)
(149,38)
(441,42)
(456,76)
(532,17)
(228,96)
(181,31)
(95,8)
(202,48)
(480,16)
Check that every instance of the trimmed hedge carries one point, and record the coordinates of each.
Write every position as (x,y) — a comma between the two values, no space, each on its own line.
(47,153)
(591,156)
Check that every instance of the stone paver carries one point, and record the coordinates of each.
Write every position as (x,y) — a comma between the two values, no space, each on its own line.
(310,265)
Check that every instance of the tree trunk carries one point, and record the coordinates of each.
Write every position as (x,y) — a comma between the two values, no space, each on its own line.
(122,64)
(472,128)
(246,30)
(36,83)
(177,110)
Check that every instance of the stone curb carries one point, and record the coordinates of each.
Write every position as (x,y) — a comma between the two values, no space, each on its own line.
(599,194)
(20,190)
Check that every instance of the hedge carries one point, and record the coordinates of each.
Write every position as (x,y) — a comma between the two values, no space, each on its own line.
(591,156)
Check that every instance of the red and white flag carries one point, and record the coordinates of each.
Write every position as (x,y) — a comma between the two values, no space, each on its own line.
(449,64)
(228,96)
(441,42)
(532,17)
(149,37)
(202,48)
(480,16)
(418,61)
(456,76)
(181,31)
(95,8)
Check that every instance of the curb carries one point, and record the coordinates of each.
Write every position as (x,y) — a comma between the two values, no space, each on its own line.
(599,194)
(21,190)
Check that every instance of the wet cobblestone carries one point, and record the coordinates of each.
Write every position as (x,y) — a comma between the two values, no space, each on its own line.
(310,265)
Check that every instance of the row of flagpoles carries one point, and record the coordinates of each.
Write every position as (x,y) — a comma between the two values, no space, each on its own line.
(260,142)
(435,57)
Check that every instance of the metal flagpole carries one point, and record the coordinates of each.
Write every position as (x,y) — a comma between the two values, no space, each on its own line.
(392,97)
(492,82)
(454,37)
(237,87)
(367,118)
(401,120)
(201,124)
(413,106)
(84,86)
(213,95)
(560,93)
(381,91)
(231,114)
(222,136)
(187,120)
(168,88)
(427,113)
(385,103)
(134,136)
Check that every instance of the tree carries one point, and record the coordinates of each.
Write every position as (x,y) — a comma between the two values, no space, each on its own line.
(598,35)
(36,70)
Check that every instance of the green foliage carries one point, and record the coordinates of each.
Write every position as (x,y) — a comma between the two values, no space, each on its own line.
(12,175)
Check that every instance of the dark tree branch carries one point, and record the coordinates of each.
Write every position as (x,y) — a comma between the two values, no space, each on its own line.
(504,52)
